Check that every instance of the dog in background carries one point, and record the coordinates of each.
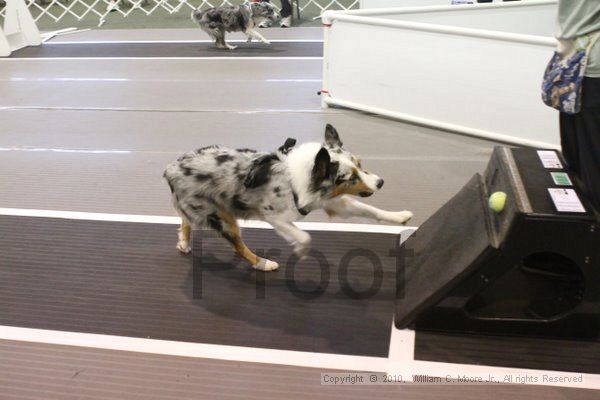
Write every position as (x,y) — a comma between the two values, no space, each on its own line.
(217,21)
(214,186)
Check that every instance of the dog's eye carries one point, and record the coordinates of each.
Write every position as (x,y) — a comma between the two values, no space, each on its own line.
(353,178)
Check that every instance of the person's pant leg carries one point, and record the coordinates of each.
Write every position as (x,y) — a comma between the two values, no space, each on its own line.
(589,142)
(580,137)
(286,8)
(568,141)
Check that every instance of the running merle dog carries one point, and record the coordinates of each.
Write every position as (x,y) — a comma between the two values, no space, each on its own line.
(217,21)
(214,186)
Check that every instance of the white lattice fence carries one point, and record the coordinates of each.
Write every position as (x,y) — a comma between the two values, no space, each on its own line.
(59,10)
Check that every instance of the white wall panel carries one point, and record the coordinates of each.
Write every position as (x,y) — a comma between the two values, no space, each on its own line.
(477,82)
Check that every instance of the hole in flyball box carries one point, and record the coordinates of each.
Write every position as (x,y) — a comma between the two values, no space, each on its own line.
(541,286)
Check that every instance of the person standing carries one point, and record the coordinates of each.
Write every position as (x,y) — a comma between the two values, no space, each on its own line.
(286,14)
(580,132)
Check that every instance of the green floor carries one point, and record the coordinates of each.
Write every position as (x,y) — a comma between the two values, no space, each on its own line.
(137,19)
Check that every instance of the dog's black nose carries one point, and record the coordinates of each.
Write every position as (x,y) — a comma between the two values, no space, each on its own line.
(379,183)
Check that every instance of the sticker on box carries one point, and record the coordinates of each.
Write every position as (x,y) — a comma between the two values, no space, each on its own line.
(549,159)
(566,200)
(561,179)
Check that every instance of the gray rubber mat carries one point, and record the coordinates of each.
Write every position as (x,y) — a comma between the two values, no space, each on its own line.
(502,351)
(128,279)
(174,50)
(52,372)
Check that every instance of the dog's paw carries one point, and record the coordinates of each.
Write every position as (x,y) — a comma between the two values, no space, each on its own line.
(184,247)
(302,246)
(230,47)
(249,40)
(266,42)
(399,217)
(265,265)
(301,251)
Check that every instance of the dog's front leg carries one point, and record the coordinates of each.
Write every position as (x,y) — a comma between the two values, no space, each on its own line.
(294,235)
(252,34)
(346,206)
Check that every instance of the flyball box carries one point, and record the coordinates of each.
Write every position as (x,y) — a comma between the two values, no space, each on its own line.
(532,269)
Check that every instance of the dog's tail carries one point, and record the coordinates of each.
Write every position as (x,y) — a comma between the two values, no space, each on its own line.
(196,15)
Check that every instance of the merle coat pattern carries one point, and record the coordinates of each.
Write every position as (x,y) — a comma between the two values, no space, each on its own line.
(217,21)
(214,186)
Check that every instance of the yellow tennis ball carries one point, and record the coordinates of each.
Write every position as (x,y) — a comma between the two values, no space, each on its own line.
(497,201)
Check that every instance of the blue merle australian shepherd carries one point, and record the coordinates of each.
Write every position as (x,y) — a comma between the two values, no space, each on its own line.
(214,186)
(217,21)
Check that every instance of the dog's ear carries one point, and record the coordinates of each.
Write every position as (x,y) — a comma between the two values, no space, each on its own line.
(321,170)
(334,167)
(287,146)
(332,139)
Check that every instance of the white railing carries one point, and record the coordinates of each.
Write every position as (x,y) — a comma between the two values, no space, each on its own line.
(473,69)
(60,11)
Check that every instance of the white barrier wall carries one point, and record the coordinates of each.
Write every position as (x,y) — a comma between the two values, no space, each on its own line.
(451,76)
(529,19)
(19,28)
(408,3)
(402,3)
